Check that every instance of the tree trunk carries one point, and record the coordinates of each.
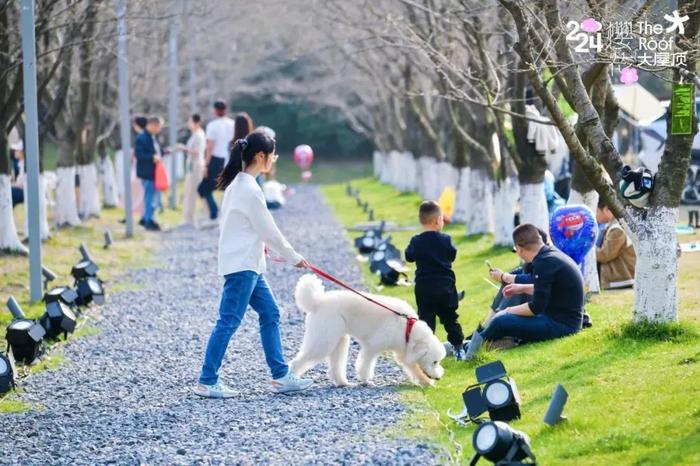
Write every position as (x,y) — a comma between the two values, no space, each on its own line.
(462,201)
(66,205)
(447,176)
(110,192)
(480,218)
(409,169)
(590,275)
(395,169)
(9,241)
(504,209)
(89,204)
(427,176)
(377,163)
(44,232)
(656,273)
(533,205)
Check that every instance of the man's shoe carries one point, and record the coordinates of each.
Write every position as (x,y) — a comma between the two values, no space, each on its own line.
(152,226)
(218,390)
(290,383)
(460,354)
(142,222)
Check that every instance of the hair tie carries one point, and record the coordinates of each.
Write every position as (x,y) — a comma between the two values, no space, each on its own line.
(244,143)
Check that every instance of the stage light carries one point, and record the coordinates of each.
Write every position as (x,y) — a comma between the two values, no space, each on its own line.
(556,406)
(24,336)
(370,240)
(89,290)
(48,276)
(84,269)
(58,319)
(87,285)
(7,372)
(108,239)
(499,395)
(499,443)
(64,294)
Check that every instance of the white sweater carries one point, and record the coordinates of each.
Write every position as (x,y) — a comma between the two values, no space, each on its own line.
(247,227)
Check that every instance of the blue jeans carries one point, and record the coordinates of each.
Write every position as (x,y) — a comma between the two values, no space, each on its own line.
(208,185)
(149,194)
(528,329)
(241,289)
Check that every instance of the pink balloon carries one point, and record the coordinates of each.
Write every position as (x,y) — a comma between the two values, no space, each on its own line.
(303,156)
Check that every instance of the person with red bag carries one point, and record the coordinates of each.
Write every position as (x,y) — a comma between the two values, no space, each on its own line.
(148,153)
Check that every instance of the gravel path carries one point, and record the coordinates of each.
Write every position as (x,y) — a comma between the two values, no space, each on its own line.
(123,397)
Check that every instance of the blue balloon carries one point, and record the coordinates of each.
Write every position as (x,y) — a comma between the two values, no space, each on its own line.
(573,230)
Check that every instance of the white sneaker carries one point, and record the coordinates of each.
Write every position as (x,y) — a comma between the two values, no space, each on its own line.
(218,390)
(291,383)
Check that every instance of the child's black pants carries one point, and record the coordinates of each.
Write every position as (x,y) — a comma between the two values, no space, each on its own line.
(436,300)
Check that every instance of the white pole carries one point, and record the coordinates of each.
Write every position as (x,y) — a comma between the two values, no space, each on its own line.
(173,103)
(125,119)
(32,147)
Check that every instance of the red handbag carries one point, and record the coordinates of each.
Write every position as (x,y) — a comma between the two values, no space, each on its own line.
(161,177)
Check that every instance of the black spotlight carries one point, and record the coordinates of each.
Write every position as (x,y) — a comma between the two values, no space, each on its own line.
(499,395)
(384,251)
(48,276)
(370,240)
(90,290)
(7,372)
(64,294)
(58,319)
(108,239)
(23,335)
(87,285)
(499,443)
(84,269)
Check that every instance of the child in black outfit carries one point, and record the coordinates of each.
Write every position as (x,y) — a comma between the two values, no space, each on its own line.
(436,293)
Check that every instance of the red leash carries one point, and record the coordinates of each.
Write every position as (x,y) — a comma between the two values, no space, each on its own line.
(410,321)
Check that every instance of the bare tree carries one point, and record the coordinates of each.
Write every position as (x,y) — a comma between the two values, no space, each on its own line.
(652,229)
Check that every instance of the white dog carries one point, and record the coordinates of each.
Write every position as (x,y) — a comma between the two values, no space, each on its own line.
(332,317)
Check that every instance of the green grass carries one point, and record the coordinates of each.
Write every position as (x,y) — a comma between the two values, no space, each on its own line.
(634,391)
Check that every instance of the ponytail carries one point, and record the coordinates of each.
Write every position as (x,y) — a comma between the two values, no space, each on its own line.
(242,153)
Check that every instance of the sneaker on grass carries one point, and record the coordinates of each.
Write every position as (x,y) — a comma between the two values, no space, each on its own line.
(218,390)
(460,354)
(290,383)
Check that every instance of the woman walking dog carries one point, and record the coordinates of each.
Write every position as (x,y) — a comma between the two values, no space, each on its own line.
(247,228)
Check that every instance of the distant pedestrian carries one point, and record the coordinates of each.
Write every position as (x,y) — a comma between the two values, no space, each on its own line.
(219,136)
(148,153)
(194,149)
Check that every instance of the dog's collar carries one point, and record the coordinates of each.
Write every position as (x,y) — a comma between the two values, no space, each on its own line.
(410,322)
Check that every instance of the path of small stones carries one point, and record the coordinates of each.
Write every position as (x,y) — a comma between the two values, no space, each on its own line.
(122,397)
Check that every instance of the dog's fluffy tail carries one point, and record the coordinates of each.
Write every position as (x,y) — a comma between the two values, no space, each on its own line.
(308,292)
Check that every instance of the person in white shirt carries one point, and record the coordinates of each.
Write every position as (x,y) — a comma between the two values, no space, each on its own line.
(247,231)
(194,149)
(219,138)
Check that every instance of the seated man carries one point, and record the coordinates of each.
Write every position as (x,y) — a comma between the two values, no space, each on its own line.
(556,307)
(521,275)
(615,255)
